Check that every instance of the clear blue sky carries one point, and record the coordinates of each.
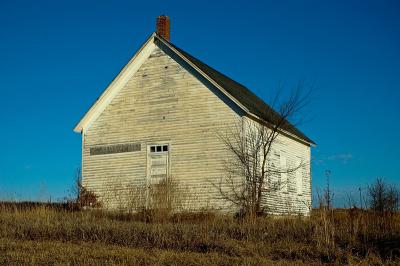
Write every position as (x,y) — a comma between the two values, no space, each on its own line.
(56,57)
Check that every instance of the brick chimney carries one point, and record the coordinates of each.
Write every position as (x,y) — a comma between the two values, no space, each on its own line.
(163,26)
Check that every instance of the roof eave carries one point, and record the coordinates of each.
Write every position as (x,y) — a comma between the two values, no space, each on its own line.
(260,120)
(86,119)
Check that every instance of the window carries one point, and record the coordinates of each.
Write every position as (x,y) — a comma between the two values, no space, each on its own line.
(284,175)
(274,168)
(299,176)
(158,148)
(276,160)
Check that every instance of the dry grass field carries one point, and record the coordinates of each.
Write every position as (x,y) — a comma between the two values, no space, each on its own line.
(43,235)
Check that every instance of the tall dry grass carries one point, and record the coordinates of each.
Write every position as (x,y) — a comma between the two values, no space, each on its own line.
(339,237)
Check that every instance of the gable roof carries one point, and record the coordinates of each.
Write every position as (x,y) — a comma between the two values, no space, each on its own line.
(241,95)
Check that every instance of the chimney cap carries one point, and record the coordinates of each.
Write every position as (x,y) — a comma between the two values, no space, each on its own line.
(163,26)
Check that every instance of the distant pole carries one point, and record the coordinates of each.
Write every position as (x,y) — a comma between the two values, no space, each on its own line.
(328,189)
(359,189)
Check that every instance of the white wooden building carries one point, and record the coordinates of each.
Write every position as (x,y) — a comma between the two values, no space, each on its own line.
(160,119)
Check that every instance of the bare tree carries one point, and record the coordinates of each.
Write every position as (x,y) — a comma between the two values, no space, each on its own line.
(251,168)
(383,197)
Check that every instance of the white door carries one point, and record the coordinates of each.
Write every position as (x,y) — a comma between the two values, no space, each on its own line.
(157,174)
(157,171)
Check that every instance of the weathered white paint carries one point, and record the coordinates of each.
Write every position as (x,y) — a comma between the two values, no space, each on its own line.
(284,175)
(160,99)
(162,103)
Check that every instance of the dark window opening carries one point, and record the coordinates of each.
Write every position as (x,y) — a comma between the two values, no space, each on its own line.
(159,148)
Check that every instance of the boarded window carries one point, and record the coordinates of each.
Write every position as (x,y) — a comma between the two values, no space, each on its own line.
(118,148)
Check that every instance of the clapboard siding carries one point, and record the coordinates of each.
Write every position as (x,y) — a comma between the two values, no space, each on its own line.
(167,102)
(162,103)
(288,201)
